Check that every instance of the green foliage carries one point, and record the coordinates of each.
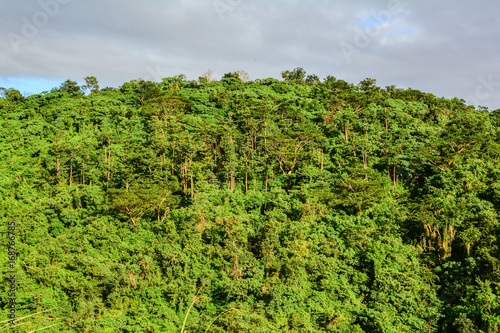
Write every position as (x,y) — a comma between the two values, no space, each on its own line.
(71,87)
(250,206)
(295,76)
(91,84)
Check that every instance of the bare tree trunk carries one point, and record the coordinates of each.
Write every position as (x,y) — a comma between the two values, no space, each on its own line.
(192,181)
(58,165)
(265,135)
(394,174)
(71,170)
(185,175)
(321,159)
(173,154)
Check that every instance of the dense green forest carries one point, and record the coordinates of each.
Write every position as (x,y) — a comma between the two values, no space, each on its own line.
(293,205)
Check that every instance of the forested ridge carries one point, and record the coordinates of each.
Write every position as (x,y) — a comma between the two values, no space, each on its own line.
(294,205)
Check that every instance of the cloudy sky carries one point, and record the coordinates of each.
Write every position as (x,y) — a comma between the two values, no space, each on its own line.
(450,48)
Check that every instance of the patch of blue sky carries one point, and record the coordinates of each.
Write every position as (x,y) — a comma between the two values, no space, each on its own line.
(389,26)
(29,85)
(367,21)
(408,31)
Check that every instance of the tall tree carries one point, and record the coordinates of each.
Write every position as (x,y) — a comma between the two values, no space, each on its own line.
(71,87)
(91,84)
(295,76)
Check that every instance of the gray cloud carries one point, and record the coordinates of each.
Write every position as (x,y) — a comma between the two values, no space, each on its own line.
(449,48)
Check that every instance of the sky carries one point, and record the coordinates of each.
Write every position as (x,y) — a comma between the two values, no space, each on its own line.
(450,48)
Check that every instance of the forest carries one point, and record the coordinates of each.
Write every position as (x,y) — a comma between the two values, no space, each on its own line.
(272,205)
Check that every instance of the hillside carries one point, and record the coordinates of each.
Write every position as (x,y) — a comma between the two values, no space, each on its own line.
(293,205)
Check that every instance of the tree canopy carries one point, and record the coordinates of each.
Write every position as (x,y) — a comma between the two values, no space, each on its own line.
(301,205)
